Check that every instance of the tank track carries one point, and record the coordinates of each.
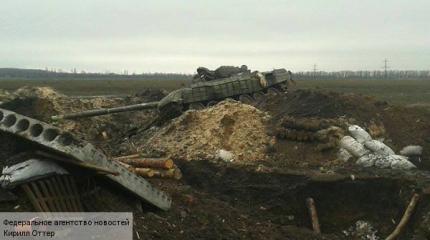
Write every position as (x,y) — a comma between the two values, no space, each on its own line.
(66,144)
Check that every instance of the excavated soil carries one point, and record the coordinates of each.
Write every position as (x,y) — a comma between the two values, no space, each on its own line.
(230,126)
(398,126)
(104,131)
(261,194)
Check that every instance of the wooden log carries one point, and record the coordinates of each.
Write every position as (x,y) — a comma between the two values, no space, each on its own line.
(174,173)
(143,172)
(405,218)
(178,173)
(149,162)
(313,214)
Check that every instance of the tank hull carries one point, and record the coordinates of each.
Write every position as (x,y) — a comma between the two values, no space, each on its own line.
(232,87)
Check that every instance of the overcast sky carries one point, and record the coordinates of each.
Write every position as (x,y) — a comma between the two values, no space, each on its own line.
(178,36)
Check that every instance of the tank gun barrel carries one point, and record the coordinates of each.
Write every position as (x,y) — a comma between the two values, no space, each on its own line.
(104,111)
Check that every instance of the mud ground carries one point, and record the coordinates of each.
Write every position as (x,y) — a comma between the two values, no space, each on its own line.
(261,199)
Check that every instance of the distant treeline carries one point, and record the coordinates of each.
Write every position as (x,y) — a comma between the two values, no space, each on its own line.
(36,74)
(368,75)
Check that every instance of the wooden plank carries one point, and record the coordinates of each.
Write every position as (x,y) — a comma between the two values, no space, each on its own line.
(32,197)
(40,197)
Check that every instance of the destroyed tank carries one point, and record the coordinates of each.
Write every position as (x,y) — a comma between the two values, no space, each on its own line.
(245,87)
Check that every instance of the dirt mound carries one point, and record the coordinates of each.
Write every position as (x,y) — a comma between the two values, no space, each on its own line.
(398,126)
(152,94)
(229,126)
(36,102)
(261,199)
(38,92)
(4,96)
(309,103)
(43,102)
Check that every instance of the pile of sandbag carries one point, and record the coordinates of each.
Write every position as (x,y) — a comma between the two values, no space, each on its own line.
(369,152)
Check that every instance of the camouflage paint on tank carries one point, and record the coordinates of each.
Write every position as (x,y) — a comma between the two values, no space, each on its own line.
(201,92)
(219,89)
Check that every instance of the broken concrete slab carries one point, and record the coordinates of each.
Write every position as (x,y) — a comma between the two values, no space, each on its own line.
(79,151)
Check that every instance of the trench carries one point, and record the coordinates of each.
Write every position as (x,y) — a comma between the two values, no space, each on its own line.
(281,197)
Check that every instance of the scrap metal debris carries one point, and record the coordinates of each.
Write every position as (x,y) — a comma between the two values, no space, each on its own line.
(54,194)
(28,171)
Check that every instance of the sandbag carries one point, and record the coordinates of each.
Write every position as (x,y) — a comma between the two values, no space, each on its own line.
(359,133)
(343,155)
(378,147)
(382,161)
(412,150)
(225,155)
(355,148)
(385,161)
(400,162)
(367,160)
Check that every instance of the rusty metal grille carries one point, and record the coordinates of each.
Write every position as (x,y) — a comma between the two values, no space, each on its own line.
(54,194)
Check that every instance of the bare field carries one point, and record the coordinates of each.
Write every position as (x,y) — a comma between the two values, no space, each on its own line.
(94,87)
(405,92)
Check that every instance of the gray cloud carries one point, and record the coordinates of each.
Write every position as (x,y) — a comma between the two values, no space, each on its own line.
(178,36)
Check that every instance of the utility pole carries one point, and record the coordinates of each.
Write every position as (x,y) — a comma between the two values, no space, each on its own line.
(386,67)
(315,71)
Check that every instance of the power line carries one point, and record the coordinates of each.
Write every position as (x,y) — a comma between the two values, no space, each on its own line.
(386,67)
(315,71)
